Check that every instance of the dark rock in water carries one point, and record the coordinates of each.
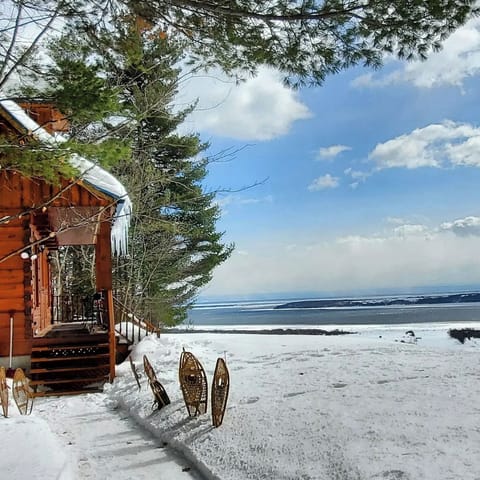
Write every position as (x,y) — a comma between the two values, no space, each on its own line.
(273,331)
(462,333)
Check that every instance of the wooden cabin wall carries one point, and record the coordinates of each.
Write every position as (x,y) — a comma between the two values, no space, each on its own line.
(19,194)
(15,288)
(46,115)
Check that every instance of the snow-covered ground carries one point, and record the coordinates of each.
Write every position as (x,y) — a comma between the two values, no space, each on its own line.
(301,407)
(83,437)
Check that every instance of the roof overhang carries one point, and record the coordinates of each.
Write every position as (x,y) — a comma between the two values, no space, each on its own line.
(91,175)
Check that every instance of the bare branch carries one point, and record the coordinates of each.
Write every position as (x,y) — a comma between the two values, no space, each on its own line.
(84,222)
(21,60)
(12,41)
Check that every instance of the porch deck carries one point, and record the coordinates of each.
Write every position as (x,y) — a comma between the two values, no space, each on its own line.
(69,329)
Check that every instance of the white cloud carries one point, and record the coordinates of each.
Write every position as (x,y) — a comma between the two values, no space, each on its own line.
(395,220)
(241,200)
(367,80)
(435,145)
(357,175)
(458,60)
(295,263)
(355,241)
(329,153)
(261,108)
(408,230)
(466,153)
(463,227)
(413,219)
(322,183)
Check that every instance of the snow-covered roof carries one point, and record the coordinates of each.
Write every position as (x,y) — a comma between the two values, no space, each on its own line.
(90,173)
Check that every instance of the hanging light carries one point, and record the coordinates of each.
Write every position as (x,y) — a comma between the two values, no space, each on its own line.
(28,254)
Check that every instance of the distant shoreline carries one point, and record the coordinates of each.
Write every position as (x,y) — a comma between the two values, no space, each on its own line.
(274,331)
(383,302)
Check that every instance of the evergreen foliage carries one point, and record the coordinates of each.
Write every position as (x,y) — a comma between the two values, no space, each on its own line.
(307,39)
(174,245)
(51,162)
(35,159)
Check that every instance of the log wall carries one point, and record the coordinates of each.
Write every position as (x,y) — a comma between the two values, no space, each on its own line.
(15,289)
(19,194)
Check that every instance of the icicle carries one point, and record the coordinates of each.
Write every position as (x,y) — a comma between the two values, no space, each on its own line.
(121,224)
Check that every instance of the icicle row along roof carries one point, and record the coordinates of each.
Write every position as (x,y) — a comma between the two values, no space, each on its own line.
(90,173)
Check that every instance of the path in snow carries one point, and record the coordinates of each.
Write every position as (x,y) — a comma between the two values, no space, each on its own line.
(106,444)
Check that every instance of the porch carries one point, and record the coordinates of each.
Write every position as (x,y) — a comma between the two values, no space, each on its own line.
(74,353)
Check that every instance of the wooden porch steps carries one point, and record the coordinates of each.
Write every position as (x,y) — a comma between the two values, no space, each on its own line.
(58,370)
(68,358)
(69,364)
(59,393)
(34,383)
(70,347)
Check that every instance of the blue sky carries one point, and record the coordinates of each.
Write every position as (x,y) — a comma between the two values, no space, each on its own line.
(371,181)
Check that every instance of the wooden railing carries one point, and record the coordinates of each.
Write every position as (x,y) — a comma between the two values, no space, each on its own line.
(79,308)
(93,309)
(130,327)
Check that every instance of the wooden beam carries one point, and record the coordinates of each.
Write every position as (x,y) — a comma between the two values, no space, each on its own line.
(103,271)
(111,335)
(103,257)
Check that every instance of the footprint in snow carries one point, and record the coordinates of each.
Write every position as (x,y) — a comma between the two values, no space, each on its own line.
(293,394)
(393,475)
(250,400)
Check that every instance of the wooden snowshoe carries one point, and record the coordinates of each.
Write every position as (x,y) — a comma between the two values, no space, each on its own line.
(193,383)
(159,393)
(220,389)
(149,371)
(134,371)
(4,391)
(161,397)
(22,394)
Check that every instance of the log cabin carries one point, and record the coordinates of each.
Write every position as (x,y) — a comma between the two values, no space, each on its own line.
(63,349)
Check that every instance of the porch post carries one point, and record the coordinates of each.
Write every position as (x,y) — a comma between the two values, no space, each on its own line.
(103,257)
(103,271)
(111,335)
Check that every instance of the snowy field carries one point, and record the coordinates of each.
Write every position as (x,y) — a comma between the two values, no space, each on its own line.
(362,406)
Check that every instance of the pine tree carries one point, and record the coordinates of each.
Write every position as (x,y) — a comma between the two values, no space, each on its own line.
(174,244)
